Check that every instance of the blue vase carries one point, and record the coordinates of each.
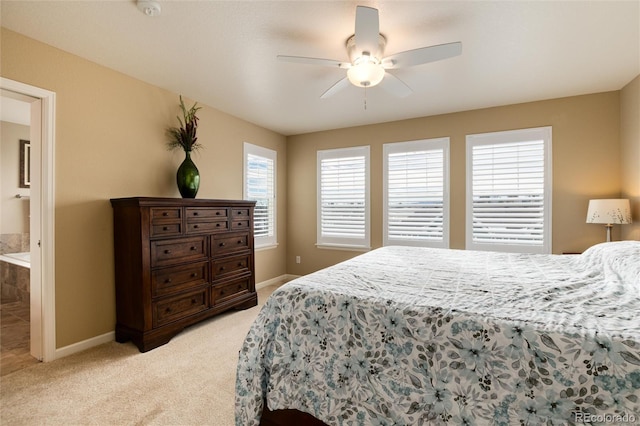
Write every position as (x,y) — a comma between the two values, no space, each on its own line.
(188,177)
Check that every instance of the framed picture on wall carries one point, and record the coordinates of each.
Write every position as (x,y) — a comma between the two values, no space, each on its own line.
(25,169)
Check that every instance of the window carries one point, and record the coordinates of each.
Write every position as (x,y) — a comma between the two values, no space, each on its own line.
(509,191)
(343,197)
(260,185)
(416,193)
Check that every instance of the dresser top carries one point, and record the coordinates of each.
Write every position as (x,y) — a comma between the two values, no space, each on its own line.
(158,201)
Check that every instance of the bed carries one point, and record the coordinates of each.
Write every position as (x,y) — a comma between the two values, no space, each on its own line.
(412,336)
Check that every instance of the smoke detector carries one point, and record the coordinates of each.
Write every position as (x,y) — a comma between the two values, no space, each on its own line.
(149,7)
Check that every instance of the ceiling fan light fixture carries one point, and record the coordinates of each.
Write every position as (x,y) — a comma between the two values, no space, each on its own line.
(365,72)
(368,66)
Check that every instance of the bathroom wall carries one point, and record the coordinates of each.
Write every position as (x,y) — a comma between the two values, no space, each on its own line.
(14,214)
(14,283)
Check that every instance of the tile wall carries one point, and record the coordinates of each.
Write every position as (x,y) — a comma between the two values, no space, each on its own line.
(14,279)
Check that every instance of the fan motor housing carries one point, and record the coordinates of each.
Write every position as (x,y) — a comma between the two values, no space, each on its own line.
(354,54)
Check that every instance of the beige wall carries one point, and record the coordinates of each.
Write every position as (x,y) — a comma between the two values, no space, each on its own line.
(14,212)
(630,154)
(110,142)
(585,165)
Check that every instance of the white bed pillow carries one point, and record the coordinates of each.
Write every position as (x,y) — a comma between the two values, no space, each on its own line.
(619,260)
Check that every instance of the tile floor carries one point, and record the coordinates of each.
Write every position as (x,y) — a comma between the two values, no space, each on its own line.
(14,338)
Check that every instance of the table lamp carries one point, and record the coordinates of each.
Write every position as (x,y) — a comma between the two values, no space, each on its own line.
(609,212)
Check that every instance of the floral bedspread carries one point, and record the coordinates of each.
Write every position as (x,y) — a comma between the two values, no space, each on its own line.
(411,336)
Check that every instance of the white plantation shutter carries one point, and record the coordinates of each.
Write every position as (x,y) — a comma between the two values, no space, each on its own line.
(343,197)
(416,193)
(260,186)
(509,191)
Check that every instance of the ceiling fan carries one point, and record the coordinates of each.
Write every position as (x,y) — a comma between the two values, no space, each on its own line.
(368,67)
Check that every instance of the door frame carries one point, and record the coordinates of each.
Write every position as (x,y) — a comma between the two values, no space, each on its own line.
(43,318)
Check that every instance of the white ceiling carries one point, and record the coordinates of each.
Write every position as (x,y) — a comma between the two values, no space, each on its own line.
(223,53)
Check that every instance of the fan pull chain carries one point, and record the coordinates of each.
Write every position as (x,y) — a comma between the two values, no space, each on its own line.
(365,98)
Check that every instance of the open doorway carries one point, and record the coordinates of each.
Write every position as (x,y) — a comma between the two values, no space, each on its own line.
(15,246)
(35,193)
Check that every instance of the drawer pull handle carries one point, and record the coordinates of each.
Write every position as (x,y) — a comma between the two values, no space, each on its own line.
(193,301)
(240,213)
(167,310)
(195,213)
(239,241)
(217,213)
(168,281)
(221,244)
(221,292)
(193,248)
(221,268)
(167,251)
(240,264)
(196,226)
(165,228)
(165,214)
(194,275)
(217,225)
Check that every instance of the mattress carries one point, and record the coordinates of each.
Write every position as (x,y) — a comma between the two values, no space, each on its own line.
(409,336)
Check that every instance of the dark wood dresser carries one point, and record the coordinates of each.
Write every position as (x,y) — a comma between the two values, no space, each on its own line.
(178,262)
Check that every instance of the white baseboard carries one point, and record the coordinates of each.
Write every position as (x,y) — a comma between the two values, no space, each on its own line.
(276,280)
(85,344)
(111,336)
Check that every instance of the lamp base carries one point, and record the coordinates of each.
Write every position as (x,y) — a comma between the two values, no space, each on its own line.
(609,226)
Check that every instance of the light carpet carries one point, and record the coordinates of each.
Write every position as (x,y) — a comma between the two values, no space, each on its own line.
(189,381)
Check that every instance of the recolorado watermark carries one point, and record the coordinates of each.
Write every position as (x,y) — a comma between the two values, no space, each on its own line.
(605,418)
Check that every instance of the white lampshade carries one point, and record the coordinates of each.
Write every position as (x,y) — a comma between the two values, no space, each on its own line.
(366,72)
(609,212)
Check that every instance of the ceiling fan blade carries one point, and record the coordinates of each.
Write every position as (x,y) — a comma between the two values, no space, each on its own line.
(341,84)
(395,86)
(314,61)
(367,30)
(422,55)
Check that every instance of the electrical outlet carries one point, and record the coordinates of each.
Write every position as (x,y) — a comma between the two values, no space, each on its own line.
(297,259)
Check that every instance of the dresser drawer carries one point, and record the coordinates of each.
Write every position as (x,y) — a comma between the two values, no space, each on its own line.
(229,266)
(205,213)
(178,250)
(211,226)
(226,244)
(240,219)
(179,278)
(166,229)
(166,221)
(241,224)
(165,213)
(240,213)
(177,307)
(223,292)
